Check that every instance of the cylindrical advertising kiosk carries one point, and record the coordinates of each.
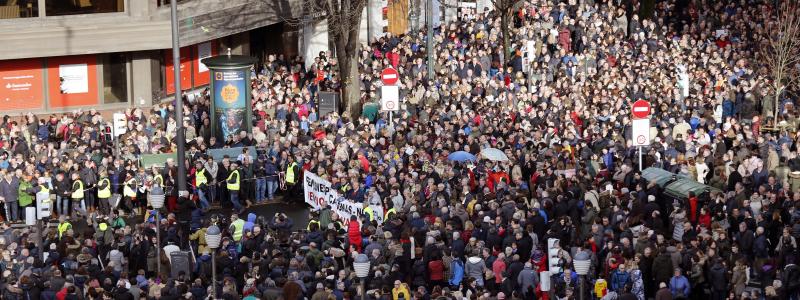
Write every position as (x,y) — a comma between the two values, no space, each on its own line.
(231,107)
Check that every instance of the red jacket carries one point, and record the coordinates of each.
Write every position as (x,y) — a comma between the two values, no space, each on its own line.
(436,270)
(354,234)
(693,209)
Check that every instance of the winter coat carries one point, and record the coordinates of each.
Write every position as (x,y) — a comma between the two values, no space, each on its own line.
(475,268)
(662,268)
(679,286)
(457,270)
(638,284)
(618,280)
(527,279)
(717,275)
(739,280)
(354,235)
(664,294)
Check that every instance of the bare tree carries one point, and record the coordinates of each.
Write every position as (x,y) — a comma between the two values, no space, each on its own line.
(506,8)
(780,51)
(344,19)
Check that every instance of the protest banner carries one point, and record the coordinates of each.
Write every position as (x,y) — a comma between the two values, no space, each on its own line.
(320,193)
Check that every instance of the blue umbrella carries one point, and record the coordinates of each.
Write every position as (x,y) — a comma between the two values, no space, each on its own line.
(461,156)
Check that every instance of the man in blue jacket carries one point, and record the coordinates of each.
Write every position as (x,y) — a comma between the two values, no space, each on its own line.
(619,278)
(679,285)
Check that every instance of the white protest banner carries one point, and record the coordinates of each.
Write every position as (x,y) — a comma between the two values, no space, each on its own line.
(319,193)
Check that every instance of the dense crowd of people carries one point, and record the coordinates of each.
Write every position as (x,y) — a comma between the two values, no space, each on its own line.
(558,106)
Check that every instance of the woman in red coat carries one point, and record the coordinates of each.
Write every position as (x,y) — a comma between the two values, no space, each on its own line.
(436,271)
(354,233)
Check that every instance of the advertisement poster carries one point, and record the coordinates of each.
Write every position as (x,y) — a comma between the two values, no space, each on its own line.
(186,70)
(74,78)
(230,101)
(21,84)
(201,72)
(319,193)
(203,51)
(72,81)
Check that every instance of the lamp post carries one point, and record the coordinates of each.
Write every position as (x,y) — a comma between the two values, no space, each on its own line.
(157,201)
(430,43)
(213,238)
(581,264)
(180,139)
(361,265)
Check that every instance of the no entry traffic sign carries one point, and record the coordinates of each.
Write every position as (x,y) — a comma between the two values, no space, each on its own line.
(389,76)
(641,109)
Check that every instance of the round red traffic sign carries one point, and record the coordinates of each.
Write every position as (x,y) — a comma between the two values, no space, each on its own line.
(389,76)
(641,109)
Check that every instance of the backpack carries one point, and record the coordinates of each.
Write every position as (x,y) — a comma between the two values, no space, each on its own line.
(457,266)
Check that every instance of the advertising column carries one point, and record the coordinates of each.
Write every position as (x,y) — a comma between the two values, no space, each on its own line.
(231,105)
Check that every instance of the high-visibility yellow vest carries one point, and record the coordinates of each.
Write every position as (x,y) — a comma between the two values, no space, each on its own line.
(63,227)
(369,212)
(159,180)
(311,222)
(78,194)
(390,211)
(200,177)
(43,194)
(238,229)
(128,190)
(106,191)
(290,172)
(233,186)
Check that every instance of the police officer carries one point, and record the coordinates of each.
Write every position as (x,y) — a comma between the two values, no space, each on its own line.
(77,194)
(292,177)
(201,176)
(237,227)
(104,192)
(234,184)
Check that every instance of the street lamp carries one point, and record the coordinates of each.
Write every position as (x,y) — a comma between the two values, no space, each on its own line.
(581,264)
(213,239)
(180,135)
(157,201)
(361,266)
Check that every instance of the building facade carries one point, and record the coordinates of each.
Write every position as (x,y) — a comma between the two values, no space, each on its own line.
(61,55)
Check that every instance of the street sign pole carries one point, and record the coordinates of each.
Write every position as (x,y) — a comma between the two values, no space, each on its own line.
(641,126)
(640,158)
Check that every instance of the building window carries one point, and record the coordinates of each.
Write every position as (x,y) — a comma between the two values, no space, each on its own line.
(80,7)
(14,9)
(115,77)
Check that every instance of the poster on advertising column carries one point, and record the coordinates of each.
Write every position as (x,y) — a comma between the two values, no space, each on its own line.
(230,103)
(320,193)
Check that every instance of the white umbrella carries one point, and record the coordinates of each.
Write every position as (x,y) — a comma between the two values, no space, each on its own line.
(494,154)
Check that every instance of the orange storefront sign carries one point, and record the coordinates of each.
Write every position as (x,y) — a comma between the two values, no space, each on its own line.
(21,84)
(72,81)
(186,69)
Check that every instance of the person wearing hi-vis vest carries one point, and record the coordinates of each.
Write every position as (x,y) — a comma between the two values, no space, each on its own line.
(78,203)
(201,177)
(129,192)
(233,182)
(63,226)
(292,177)
(41,192)
(104,192)
(236,228)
